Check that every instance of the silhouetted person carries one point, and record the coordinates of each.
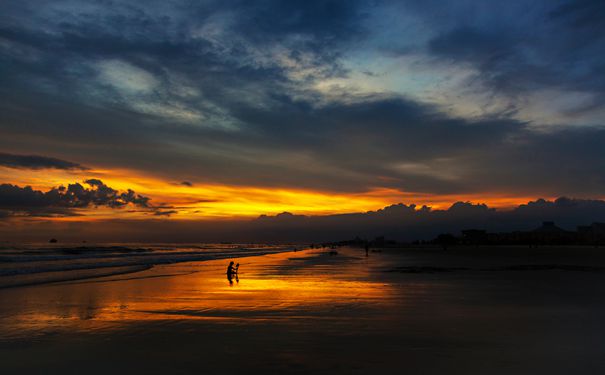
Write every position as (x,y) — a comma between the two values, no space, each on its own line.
(367,248)
(230,273)
(236,268)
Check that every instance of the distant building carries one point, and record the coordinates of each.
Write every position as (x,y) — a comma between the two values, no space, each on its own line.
(551,234)
(593,234)
(547,234)
(474,237)
(549,227)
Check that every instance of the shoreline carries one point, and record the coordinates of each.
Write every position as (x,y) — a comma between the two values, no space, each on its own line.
(312,312)
(136,263)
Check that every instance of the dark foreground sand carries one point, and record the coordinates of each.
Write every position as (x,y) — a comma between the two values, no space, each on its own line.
(468,311)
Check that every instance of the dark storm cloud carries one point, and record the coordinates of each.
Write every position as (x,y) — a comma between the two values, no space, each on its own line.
(36,162)
(348,147)
(62,200)
(523,47)
(471,44)
(366,141)
(154,40)
(223,92)
(582,14)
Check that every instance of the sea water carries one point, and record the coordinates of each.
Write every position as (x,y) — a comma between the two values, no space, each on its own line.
(29,264)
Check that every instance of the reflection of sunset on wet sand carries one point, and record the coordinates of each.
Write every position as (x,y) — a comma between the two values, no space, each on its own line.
(313,312)
(196,291)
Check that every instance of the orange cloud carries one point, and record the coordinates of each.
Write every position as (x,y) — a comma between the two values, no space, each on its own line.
(200,201)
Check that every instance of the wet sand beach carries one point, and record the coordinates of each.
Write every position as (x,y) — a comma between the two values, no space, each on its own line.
(416,311)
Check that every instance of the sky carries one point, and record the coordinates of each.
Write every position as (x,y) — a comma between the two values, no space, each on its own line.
(177,111)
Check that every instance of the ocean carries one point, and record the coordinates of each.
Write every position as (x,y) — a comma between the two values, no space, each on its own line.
(36,263)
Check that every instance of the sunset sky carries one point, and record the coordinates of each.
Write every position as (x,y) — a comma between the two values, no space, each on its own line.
(214,110)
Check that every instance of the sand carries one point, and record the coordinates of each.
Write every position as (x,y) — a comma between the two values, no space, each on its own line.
(416,311)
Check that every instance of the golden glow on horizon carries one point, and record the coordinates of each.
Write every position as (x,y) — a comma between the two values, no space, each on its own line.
(205,201)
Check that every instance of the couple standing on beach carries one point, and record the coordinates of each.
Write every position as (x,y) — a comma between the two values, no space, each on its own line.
(231,271)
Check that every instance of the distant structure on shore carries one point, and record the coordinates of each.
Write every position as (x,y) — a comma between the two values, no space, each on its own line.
(547,234)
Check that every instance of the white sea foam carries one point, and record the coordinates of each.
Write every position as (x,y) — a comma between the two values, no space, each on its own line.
(25,265)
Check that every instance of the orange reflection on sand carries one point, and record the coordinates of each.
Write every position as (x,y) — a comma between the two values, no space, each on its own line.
(273,286)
